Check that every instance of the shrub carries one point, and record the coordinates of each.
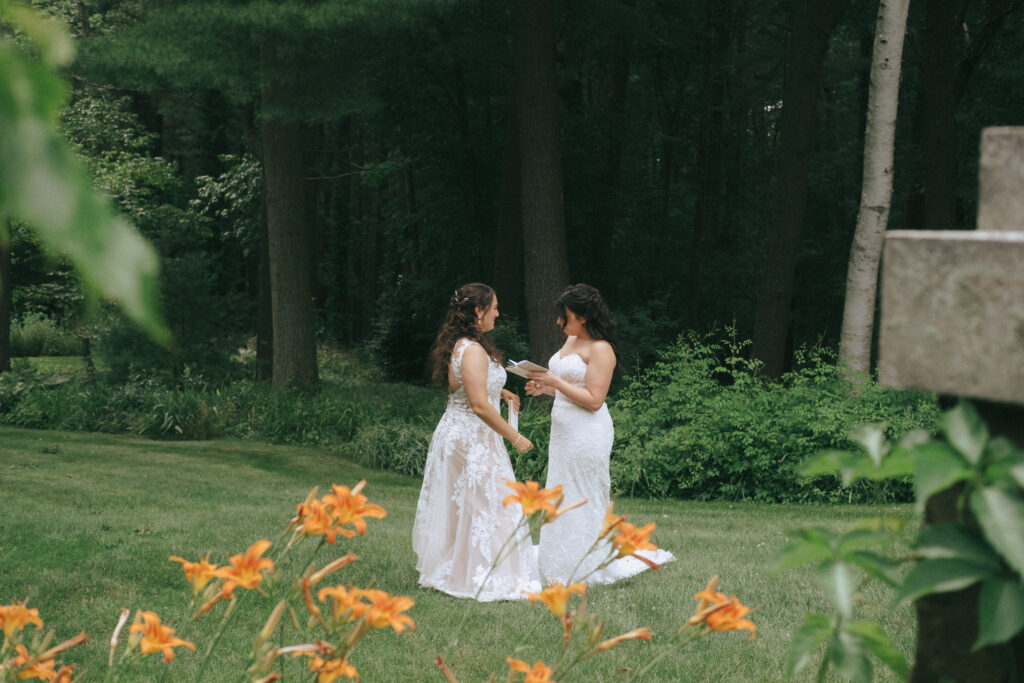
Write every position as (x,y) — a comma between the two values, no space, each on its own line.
(701,424)
(37,335)
(397,447)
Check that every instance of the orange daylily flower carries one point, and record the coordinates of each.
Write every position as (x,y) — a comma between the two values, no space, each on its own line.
(538,674)
(63,675)
(348,506)
(28,666)
(315,520)
(631,539)
(198,573)
(15,617)
(158,638)
(708,596)
(556,596)
(386,610)
(345,604)
(636,634)
(247,569)
(729,618)
(532,498)
(611,520)
(328,670)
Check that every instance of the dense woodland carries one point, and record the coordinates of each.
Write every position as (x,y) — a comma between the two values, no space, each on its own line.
(327,172)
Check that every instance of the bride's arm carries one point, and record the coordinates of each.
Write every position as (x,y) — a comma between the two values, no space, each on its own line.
(474,379)
(598,379)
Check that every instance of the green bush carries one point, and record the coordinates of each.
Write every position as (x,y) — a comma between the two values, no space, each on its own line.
(701,424)
(37,335)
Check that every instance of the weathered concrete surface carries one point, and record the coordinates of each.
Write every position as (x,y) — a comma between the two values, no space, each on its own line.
(1001,179)
(952,313)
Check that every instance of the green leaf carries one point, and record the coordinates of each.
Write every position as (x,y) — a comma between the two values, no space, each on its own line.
(860,538)
(881,568)
(43,184)
(936,468)
(849,657)
(1000,611)
(898,463)
(839,582)
(830,461)
(1001,515)
(940,576)
(877,641)
(872,438)
(957,541)
(1006,461)
(966,431)
(816,630)
(814,546)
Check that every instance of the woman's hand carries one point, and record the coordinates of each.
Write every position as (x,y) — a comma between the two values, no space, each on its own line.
(534,388)
(522,444)
(511,398)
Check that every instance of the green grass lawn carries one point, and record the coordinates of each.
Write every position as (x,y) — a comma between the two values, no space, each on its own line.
(87,523)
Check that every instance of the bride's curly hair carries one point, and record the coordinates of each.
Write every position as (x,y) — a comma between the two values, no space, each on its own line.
(586,302)
(459,322)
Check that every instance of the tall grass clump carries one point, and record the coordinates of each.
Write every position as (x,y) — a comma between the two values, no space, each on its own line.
(37,335)
(702,424)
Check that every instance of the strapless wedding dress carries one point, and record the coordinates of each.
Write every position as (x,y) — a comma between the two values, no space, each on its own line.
(578,453)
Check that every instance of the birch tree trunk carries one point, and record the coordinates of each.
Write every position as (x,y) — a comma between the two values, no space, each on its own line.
(873,215)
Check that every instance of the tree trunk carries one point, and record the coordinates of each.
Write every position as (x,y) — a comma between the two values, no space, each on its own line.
(544,248)
(936,120)
(264,307)
(289,240)
(873,215)
(601,235)
(508,238)
(812,24)
(6,238)
(951,52)
(710,147)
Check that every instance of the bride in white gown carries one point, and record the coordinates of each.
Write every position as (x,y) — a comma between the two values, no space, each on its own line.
(461,524)
(581,442)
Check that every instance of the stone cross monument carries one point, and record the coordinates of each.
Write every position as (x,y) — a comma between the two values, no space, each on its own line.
(952,322)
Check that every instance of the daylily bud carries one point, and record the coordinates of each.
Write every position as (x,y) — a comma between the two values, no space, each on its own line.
(444,671)
(272,621)
(117,630)
(636,634)
(332,567)
(66,645)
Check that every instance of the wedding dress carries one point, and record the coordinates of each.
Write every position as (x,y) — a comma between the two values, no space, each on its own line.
(578,454)
(461,524)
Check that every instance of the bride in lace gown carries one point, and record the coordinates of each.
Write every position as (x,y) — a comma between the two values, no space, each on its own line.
(581,442)
(461,524)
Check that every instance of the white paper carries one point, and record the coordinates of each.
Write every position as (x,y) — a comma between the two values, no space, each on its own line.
(524,367)
(513,417)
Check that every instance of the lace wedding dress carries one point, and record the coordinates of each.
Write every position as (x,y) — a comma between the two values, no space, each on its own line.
(460,524)
(578,453)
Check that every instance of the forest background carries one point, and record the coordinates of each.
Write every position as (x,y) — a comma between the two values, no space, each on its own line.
(324,174)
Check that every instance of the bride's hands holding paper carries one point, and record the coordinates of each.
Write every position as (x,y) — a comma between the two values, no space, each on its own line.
(542,383)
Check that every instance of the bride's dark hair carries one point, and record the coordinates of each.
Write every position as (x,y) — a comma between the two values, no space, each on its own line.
(459,322)
(586,302)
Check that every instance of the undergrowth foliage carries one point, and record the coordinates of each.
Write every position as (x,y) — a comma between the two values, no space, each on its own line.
(702,424)
(699,423)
